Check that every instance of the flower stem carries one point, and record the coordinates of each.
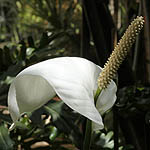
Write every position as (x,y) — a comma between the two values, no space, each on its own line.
(98,92)
(88,135)
(88,130)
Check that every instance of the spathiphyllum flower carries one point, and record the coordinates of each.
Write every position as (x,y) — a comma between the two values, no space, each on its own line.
(120,52)
(73,79)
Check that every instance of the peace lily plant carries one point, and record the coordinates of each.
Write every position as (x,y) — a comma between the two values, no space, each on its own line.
(73,79)
(82,85)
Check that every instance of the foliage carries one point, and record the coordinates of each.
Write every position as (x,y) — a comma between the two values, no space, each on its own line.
(8,19)
(5,141)
(54,16)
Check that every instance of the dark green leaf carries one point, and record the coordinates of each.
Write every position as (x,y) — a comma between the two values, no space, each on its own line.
(5,118)
(23,50)
(5,141)
(53,133)
(31,42)
(64,120)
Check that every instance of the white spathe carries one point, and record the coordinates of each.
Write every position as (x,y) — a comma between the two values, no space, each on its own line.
(73,79)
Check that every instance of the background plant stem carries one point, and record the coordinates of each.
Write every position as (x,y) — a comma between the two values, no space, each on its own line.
(88,130)
(88,135)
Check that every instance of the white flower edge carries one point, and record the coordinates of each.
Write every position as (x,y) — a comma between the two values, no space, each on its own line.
(73,79)
(105,101)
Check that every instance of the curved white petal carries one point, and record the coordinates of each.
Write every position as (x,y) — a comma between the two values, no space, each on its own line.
(72,78)
(27,93)
(13,109)
(32,91)
(105,101)
(107,98)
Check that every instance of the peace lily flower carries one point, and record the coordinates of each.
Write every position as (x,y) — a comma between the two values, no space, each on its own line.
(73,79)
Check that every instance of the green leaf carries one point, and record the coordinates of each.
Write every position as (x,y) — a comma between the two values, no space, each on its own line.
(6,142)
(23,50)
(21,126)
(53,133)
(6,57)
(64,119)
(106,140)
(1,58)
(44,40)
(31,42)
(47,39)
(5,118)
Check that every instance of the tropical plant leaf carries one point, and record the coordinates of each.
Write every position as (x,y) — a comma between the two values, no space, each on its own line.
(54,132)
(6,143)
(64,120)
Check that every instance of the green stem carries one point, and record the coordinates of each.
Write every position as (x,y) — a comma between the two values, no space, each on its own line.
(98,92)
(88,130)
(88,135)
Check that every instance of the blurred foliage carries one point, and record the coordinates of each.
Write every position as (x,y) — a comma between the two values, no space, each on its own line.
(132,99)
(5,141)
(32,18)
(35,30)
(54,15)
(8,19)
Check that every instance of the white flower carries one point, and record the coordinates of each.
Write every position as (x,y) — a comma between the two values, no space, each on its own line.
(73,79)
